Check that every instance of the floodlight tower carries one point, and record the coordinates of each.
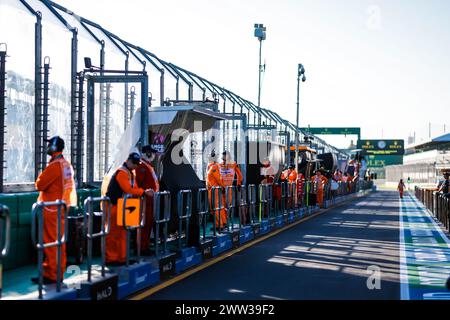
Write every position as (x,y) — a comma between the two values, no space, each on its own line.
(260,33)
(300,75)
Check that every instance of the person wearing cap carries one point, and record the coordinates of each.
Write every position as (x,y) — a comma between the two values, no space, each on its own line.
(122,182)
(212,160)
(56,182)
(146,179)
(290,174)
(444,186)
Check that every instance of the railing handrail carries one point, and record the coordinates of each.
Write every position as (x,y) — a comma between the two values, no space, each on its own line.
(187,210)
(37,214)
(105,204)
(5,216)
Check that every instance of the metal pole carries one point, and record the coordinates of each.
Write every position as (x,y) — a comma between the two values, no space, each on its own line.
(126,94)
(44,114)
(2,113)
(296,128)
(259,81)
(144,111)
(38,94)
(59,253)
(79,131)
(73,101)
(90,118)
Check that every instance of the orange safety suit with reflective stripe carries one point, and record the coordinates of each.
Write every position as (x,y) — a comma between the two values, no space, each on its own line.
(116,239)
(228,171)
(292,178)
(214,179)
(55,183)
(320,183)
(146,179)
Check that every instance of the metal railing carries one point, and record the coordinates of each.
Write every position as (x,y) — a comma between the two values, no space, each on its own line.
(263,202)
(106,205)
(252,203)
(230,206)
(130,228)
(284,197)
(217,207)
(437,203)
(242,206)
(161,198)
(292,197)
(184,214)
(203,211)
(5,233)
(37,214)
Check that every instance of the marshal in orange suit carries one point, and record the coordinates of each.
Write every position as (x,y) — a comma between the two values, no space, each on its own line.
(146,179)
(121,183)
(56,182)
(214,179)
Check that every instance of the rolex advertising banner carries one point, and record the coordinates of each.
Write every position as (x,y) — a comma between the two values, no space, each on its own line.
(382,147)
(374,162)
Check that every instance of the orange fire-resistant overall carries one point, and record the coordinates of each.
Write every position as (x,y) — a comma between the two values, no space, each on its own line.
(214,179)
(319,182)
(228,171)
(116,239)
(56,182)
(146,179)
(291,177)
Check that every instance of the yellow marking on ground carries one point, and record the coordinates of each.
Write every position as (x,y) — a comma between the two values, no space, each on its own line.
(151,291)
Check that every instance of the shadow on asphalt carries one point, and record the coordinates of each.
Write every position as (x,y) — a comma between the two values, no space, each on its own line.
(329,257)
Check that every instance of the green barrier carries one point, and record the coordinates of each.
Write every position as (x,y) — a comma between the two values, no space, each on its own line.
(10,200)
(21,251)
(25,253)
(25,203)
(9,262)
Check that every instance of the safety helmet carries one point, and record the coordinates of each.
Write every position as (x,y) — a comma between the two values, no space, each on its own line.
(55,144)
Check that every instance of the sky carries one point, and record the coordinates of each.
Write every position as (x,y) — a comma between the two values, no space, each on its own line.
(382,65)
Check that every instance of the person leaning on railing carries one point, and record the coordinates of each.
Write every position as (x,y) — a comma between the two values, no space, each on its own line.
(122,182)
(444,186)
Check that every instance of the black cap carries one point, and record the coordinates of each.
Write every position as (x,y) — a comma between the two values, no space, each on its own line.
(291,167)
(56,144)
(148,148)
(135,158)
